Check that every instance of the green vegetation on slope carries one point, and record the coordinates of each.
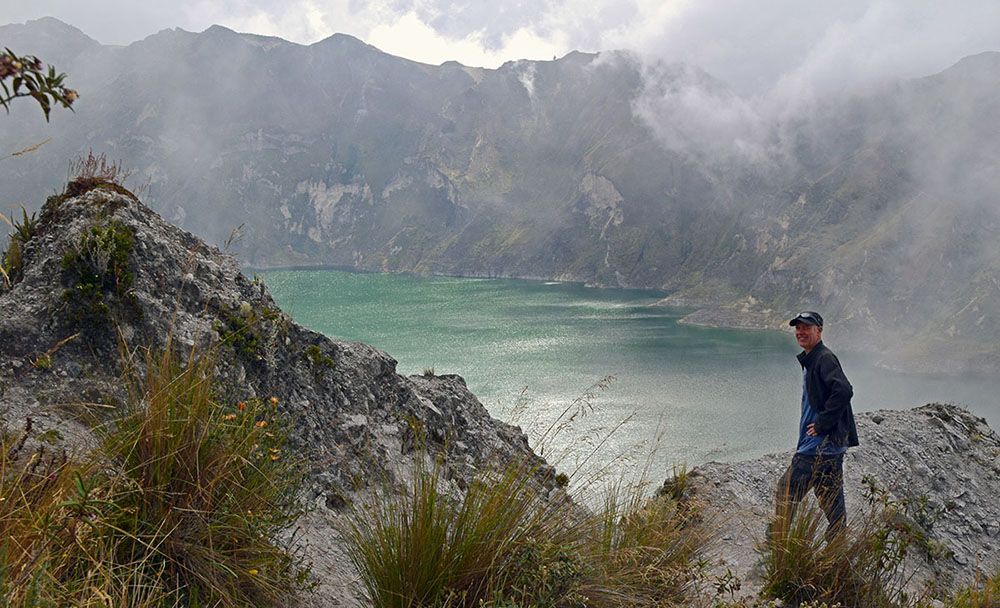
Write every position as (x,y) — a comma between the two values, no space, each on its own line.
(183,503)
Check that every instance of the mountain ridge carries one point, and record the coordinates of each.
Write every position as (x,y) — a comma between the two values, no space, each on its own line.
(592,168)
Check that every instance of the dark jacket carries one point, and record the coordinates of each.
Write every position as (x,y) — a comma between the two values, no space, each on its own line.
(830,395)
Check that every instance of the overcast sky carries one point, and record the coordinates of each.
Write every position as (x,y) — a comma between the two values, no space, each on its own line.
(752,45)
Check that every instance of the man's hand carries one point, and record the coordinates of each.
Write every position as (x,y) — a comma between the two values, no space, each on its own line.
(811,430)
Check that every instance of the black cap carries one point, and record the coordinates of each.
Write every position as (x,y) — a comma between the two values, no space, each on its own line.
(808,317)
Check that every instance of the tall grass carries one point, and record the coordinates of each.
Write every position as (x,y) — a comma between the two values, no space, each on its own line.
(183,503)
(511,539)
(984,593)
(204,488)
(861,566)
(505,543)
(33,487)
(424,547)
(644,550)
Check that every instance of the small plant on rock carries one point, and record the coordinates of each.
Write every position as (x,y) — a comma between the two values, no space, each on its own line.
(97,269)
(93,172)
(676,486)
(249,331)
(12,261)
(320,360)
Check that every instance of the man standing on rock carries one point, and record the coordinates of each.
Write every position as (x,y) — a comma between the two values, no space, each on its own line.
(826,426)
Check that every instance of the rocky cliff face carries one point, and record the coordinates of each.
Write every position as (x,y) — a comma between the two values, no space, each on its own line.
(354,419)
(875,208)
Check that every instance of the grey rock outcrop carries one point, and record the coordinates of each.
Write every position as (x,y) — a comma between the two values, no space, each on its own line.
(354,417)
(940,459)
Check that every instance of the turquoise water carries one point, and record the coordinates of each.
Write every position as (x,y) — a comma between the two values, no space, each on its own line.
(527,349)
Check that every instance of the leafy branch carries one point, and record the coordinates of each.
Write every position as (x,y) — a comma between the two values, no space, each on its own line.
(26,76)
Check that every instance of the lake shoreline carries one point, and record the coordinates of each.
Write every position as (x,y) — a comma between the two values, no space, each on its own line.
(557,338)
(705,311)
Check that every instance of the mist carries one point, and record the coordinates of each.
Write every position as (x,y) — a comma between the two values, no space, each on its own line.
(785,48)
(840,157)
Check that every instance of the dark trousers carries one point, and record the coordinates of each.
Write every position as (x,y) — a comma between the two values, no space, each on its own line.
(824,475)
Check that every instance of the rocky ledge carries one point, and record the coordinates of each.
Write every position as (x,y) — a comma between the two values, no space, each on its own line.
(940,462)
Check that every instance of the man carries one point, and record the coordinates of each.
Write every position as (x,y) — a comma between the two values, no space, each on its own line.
(826,427)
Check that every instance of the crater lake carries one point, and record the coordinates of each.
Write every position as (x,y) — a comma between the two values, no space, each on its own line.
(607,377)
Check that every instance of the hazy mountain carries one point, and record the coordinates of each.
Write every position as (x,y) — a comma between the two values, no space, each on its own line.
(879,208)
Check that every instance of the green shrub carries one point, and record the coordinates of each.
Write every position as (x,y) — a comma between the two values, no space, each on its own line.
(246,329)
(320,360)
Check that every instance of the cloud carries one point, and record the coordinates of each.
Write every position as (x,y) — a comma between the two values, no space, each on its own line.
(411,37)
(891,39)
(690,112)
(755,47)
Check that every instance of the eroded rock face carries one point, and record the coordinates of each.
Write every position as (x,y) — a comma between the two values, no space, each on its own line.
(353,416)
(941,459)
